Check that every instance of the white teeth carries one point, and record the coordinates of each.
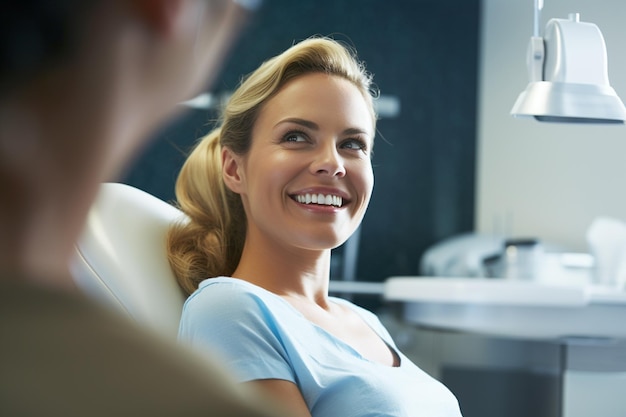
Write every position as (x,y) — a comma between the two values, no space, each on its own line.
(328,200)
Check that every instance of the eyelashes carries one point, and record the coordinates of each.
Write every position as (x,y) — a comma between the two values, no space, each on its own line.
(295,137)
(351,143)
(355,143)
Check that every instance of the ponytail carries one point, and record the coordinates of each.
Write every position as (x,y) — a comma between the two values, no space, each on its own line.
(210,243)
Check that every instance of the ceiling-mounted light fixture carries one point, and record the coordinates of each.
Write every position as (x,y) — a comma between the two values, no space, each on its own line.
(569,81)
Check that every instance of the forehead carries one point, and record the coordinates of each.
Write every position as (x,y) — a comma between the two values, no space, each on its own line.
(321,98)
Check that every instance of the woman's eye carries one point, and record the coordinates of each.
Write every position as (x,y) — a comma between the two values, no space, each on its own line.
(355,144)
(294,137)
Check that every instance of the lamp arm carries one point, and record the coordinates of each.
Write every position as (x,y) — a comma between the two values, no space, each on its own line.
(537,17)
(535,58)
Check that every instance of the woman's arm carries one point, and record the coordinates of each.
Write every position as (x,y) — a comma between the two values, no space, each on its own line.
(286,393)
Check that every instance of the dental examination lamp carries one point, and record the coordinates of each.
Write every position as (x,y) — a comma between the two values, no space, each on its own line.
(569,81)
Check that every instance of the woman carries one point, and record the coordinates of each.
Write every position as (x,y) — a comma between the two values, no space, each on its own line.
(296,177)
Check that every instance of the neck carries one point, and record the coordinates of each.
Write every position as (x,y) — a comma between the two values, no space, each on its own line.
(296,273)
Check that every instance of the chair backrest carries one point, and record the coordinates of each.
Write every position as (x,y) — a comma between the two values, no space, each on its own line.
(121,257)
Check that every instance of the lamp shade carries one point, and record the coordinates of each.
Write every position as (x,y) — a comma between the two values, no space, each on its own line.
(568,74)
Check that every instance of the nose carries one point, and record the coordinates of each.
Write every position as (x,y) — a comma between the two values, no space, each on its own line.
(328,162)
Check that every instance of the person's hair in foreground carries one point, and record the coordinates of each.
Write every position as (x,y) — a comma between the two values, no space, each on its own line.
(210,244)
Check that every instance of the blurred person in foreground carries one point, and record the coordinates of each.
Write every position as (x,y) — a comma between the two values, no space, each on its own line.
(82,84)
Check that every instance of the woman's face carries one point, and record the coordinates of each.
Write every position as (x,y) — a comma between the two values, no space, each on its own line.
(307,179)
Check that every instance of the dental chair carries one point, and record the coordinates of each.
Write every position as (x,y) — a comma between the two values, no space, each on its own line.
(121,259)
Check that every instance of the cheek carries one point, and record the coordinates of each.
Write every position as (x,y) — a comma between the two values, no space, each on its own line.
(366,181)
(278,168)
(265,178)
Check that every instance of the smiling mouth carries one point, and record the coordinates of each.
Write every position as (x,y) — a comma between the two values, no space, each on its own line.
(319,199)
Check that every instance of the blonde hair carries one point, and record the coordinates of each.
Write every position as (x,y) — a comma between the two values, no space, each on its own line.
(211,242)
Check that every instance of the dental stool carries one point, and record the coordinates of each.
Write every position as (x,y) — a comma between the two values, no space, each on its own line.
(121,258)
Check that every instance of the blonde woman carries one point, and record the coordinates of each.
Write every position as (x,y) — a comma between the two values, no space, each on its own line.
(285,179)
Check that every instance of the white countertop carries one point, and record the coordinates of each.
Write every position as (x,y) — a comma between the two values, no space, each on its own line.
(512,308)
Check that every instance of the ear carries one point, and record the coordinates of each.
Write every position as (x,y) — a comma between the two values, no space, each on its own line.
(232,170)
(160,15)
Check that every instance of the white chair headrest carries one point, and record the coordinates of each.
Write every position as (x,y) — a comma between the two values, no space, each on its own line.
(121,257)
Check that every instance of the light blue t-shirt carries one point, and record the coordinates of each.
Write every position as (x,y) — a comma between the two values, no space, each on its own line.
(259,335)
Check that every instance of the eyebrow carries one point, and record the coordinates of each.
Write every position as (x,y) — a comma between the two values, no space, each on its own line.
(314,126)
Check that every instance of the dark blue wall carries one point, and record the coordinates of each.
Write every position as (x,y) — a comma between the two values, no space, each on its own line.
(425,52)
